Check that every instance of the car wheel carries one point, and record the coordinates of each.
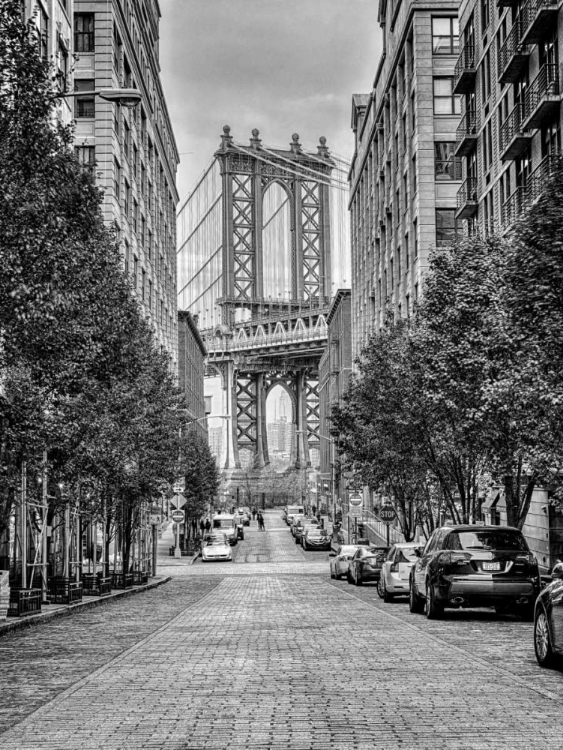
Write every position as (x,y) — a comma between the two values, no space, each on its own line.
(332,574)
(381,588)
(416,605)
(387,597)
(542,640)
(349,577)
(434,610)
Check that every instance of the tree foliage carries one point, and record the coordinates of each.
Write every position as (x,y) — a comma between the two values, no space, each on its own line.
(469,392)
(83,377)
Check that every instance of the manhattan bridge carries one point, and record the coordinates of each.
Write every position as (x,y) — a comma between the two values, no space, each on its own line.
(263,241)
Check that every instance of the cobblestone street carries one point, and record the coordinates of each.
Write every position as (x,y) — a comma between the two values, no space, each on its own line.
(269,653)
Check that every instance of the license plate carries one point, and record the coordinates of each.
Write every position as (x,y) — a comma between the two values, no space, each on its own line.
(491,566)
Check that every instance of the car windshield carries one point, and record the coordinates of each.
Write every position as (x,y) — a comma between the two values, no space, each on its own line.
(215,543)
(377,553)
(405,555)
(223,523)
(488,539)
(347,549)
(317,533)
(294,510)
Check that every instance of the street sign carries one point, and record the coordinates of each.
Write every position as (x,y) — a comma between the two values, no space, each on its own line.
(388,514)
(179,486)
(177,516)
(154,519)
(178,501)
(355,506)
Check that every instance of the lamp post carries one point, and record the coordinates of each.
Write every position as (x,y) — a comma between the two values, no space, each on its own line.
(129,98)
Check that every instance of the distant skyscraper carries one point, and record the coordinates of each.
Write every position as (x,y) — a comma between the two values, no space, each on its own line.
(216,441)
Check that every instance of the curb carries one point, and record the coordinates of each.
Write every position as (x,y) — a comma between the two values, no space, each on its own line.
(28,622)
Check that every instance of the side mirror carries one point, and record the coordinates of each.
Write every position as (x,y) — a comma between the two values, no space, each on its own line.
(332,554)
(418,551)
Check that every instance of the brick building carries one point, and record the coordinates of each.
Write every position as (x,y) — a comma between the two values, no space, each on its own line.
(133,151)
(404,176)
(191,368)
(334,375)
(508,75)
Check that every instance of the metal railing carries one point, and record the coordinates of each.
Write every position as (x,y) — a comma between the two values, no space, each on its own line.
(546,83)
(467,192)
(531,9)
(536,182)
(513,206)
(312,334)
(467,125)
(61,590)
(465,62)
(512,45)
(511,126)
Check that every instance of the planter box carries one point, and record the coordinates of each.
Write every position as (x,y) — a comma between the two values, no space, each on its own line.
(63,591)
(24,602)
(97,585)
(122,580)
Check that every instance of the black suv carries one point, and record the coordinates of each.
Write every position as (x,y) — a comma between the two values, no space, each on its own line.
(475,566)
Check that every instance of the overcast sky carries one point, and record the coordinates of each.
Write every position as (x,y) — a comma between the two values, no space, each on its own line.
(282,66)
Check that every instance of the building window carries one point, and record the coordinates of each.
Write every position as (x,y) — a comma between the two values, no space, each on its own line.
(485,14)
(414,178)
(117,179)
(445,101)
(84,39)
(135,271)
(62,72)
(126,141)
(43,33)
(445,36)
(127,199)
(486,77)
(126,257)
(84,104)
(446,166)
(143,283)
(86,155)
(446,226)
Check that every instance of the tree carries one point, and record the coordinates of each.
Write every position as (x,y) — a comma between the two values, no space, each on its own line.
(199,467)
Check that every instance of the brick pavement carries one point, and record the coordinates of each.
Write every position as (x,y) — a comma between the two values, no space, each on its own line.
(295,661)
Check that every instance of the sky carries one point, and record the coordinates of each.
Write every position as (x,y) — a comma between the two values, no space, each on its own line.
(282,66)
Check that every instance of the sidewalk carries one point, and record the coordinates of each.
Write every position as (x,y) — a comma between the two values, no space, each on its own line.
(54,611)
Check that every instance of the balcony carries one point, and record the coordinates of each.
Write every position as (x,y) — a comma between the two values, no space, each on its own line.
(506,3)
(514,205)
(524,195)
(513,55)
(513,138)
(465,70)
(536,183)
(538,17)
(542,98)
(467,199)
(466,133)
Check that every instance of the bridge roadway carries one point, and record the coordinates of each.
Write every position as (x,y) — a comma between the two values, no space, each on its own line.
(268,653)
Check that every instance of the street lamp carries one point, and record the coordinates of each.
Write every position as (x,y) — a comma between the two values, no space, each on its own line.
(125,97)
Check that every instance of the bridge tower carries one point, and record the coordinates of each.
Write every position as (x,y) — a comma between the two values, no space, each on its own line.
(274,290)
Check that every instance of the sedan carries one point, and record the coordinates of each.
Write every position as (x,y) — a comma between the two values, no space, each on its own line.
(315,538)
(216,550)
(366,564)
(548,620)
(341,559)
(396,570)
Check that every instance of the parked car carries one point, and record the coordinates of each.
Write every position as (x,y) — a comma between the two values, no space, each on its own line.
(216,550)
(293,510)
(230,525)
(299,527)
(366,564)
(548,620)
(475,566)
(316,538)
(395,573)
(340,560)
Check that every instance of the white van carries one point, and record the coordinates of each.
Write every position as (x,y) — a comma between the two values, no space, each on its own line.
(229,525)
(293,510)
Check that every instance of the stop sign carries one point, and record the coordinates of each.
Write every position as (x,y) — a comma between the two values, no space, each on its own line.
(387,514)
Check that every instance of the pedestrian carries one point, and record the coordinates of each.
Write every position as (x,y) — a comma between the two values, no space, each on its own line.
(261,526)
(253,514)
(207,525)
(314,509)
(202,527)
